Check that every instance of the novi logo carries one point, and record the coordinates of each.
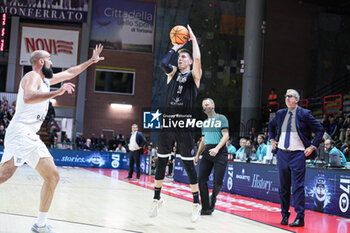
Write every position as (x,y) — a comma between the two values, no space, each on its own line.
(50,45)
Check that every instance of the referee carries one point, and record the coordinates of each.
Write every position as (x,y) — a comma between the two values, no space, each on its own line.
(213,143)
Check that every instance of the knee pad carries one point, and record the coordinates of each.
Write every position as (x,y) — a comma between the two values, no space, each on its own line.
(160,170)
(191,171)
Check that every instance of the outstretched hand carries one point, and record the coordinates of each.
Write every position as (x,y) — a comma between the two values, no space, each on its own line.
(192,36)
(66,87)
(96,54)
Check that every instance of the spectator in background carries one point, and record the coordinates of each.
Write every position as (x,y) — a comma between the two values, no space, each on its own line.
(152,152)
(2,111)
(93,139)
(145,150)
(344,130)
(65,141)
(5,121)
(325,122)
(250,150)
(231,150)
(120,149)
(340,114)
(346,123)
(331,149)
(241,154)
(10,114)
(121,139)
(345,136)
(2,135)
(112,144)
(252,134)
(88,145)
(171,162)
(64,137)
(54,144)
(79,142)
(333,127)
(261,151)
(266,136)
(14,105)
(346,151)
(52,136)
(6,105)
(51,114)
(102,143)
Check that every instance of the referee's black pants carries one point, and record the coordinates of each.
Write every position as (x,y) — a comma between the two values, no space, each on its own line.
(207,163)
(134,157)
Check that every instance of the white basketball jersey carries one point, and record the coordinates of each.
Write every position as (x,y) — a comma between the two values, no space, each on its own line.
(31,115)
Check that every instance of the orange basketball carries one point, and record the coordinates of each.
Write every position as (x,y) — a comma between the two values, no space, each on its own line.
(179,35)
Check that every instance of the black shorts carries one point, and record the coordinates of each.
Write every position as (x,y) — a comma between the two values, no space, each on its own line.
(184,141)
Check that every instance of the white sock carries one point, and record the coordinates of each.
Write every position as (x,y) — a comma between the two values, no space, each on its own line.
(42,216)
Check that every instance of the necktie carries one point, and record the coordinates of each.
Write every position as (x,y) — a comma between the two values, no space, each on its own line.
(289,126)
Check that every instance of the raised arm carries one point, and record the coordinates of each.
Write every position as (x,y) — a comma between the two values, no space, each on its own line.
(31,84)
(165,63)
(197,68)
(76,70)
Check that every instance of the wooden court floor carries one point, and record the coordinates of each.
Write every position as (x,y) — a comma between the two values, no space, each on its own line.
(87,202)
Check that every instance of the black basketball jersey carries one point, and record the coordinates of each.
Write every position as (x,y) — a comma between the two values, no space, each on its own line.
(181,92)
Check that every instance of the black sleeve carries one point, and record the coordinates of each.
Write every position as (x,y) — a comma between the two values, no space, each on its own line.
(165,63)
(143,140)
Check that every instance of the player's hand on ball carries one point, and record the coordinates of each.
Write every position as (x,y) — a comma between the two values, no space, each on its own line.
(66,87)
(96,54)
(176,47)
(213,151)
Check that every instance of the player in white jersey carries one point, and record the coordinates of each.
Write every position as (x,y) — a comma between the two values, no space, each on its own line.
(22,144)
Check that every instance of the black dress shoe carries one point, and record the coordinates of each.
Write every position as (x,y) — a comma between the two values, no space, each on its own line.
(206,212)
(212,201)
(284,221)
(299,222)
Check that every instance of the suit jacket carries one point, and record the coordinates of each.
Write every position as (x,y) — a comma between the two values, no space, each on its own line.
(305,124)
(140,139)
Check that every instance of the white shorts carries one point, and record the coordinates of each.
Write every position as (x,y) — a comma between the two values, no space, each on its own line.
(25,146)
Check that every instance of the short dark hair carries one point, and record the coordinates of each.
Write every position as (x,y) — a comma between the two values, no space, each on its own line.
(186,51)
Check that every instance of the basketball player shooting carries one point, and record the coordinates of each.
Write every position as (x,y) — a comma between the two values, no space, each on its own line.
(22,144)
(182,88)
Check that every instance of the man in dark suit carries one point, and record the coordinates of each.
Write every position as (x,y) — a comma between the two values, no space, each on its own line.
(136,143)
(290,137)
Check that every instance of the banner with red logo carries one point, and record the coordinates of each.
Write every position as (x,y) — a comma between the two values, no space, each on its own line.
(61,44)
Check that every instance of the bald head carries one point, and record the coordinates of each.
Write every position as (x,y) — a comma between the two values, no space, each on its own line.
(37,55)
